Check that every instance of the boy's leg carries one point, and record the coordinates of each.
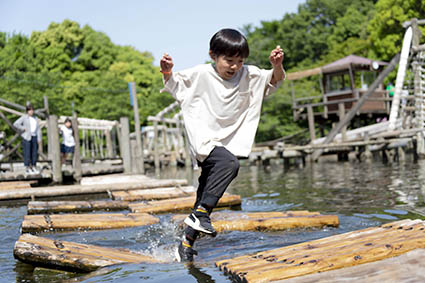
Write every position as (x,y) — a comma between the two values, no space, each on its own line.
(218,171)
(34,151)
(26,146)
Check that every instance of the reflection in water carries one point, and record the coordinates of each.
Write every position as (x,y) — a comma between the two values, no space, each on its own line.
(197,273)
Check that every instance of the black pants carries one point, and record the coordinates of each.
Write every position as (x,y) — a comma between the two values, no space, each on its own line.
(218,171)
(30,151)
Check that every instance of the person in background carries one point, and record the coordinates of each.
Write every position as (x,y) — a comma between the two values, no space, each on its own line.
(68,142)
(31,136)
(221,105)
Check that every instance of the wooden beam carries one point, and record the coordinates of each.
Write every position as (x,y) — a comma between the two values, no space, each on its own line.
(59,254)
(186,203)
(270,221)
(139,165)
(53,133)
(311,123)
(39,207)
(76,159)
(152,194)
(87,189)
(359,104)
(64,222)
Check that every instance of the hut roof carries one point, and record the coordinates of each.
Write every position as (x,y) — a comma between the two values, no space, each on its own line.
(357,63)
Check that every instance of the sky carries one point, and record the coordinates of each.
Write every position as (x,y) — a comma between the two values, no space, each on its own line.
(182,28)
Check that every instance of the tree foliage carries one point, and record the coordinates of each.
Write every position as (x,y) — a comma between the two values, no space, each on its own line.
(79,69)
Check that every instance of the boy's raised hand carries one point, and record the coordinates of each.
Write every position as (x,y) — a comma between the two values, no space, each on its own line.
(276,56)
(166,63)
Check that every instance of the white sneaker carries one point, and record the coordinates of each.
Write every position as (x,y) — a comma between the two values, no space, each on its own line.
(35,170)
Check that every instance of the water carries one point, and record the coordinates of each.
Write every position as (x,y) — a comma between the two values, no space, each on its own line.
(361,194)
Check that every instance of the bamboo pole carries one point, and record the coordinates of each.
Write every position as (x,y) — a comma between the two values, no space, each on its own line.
(72,256)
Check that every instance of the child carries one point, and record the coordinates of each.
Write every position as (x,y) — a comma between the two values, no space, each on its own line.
(68,142)
(31,137)
(221,105)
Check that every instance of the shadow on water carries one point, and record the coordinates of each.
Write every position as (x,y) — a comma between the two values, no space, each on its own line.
(361,194)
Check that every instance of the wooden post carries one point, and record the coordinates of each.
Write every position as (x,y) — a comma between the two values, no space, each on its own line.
(55,149)
(311,123)
(341,114)
(139,166)
(125,144)
(294,102)
(325,98)
(155,144)
(109,148)
(46,105)
(76,160)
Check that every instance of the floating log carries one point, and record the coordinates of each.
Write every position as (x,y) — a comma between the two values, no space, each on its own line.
(38,207)
(87,189)
(271,221)
(344,250)
(44,223)
(180,204)
(150,194)
(58,254)
(408,267)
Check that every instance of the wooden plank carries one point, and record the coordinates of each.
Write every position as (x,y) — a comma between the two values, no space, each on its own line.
(44,223)
(271,221)
(344,250)
(407,267)
(87,189)
(37,207)
(159,193)
(179,204)
(41,251)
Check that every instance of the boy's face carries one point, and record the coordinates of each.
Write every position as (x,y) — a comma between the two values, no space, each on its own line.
(227,67)
(68,124)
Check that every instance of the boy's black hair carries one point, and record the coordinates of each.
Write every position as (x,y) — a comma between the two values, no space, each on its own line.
(29,107)
(67,120)
(229,42)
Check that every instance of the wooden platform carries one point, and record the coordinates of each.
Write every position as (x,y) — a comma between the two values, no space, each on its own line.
(168,205)
(40,251)
(45,223)
(88,189)
(405,268)
(271,221)
(344,250)
(152,194)
(38,207)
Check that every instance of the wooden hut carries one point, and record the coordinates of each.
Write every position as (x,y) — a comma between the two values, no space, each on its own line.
(342,83)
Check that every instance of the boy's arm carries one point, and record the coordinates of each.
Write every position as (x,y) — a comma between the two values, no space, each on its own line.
(276,59)
(166,64)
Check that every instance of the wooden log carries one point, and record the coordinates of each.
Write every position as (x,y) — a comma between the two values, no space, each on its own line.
(86,189)
(53,133)
(159,193)
(330,253)
(179,204)
(16,185)
(76,158)
(271,221)
(44,223)
(41,251)
(125,144)
(38,207)
(407,267)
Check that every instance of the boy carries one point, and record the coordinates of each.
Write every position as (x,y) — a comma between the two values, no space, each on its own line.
(68,142)
(221,105)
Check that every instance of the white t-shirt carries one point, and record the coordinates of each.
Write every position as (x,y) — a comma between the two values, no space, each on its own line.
(68,138)
(219,112)
(33,126)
